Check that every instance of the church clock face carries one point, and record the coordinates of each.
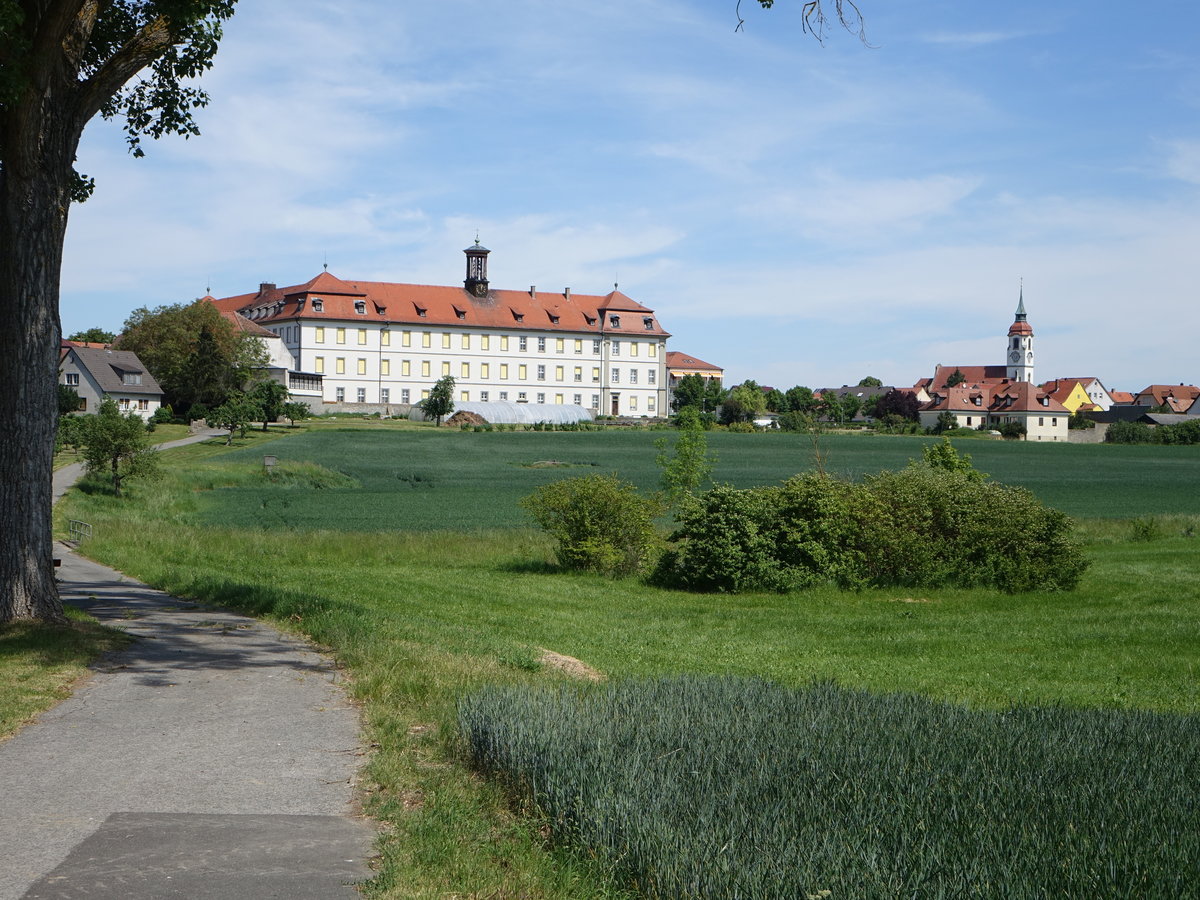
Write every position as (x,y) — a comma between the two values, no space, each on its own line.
(1015,356)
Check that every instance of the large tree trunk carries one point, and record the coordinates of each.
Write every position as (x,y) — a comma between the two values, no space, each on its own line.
(35,188)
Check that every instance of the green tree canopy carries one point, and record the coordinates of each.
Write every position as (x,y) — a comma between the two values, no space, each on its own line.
(800,399)
(743,403)
(93,336)
(295,411)
(270,397)
(192,351)
(234,415)
(870,381)
(440,402)
(69,400)
(117,445)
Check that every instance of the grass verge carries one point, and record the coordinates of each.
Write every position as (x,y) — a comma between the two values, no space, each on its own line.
(40,663)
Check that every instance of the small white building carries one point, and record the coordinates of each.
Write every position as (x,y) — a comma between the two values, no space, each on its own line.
(98,372)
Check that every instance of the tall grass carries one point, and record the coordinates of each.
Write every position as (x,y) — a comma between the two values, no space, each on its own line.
(736,788)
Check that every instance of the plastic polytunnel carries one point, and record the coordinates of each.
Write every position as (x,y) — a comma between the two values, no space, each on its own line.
(506,413)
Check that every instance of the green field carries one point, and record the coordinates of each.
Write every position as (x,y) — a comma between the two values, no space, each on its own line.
(431,479)
(421,617)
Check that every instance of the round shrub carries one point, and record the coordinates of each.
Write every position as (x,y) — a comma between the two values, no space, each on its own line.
(601,524)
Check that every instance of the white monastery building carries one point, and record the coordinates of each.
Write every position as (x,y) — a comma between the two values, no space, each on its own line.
(373,342)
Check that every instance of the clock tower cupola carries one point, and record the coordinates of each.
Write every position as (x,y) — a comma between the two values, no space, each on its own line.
(1019,361)
(476,281)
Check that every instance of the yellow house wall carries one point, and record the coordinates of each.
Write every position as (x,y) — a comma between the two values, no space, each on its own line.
(1077,398)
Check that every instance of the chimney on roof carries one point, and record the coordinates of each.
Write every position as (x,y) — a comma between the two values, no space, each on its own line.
(567,293)
(533,290)
(266,287)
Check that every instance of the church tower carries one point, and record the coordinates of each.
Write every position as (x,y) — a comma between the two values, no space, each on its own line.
(1020,345)
(476,281)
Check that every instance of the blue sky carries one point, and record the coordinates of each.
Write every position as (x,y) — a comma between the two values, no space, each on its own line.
(797,213)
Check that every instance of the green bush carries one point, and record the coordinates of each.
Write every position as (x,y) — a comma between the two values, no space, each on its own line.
(601,524)
(1141,433)
(724,787)
(1013,430)
(162,416)
(795,420)
(729,544)
(925,526)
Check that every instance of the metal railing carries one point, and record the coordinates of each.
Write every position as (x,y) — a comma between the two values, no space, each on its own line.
(79,530)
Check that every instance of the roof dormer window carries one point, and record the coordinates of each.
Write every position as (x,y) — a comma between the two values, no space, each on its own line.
(318,304)
(591,320)
(360,307)
(648,322)
(553,318)
(420,310)
(461,313)
(520,317)
(614,321)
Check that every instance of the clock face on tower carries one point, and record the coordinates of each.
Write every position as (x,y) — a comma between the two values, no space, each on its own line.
(1015,355)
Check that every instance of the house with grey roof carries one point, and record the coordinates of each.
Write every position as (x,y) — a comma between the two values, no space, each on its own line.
(97,372)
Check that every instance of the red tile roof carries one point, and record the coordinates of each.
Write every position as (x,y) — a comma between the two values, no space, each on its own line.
(423,304)
(973,375)
(1161,393)
(1013,396)
(677,360)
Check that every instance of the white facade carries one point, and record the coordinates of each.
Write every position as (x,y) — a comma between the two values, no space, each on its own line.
(399,363)
(379,343)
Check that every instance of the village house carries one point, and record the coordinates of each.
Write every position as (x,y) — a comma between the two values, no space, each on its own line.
(1177,398)
(992,396)
(369,342)
(95,372)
